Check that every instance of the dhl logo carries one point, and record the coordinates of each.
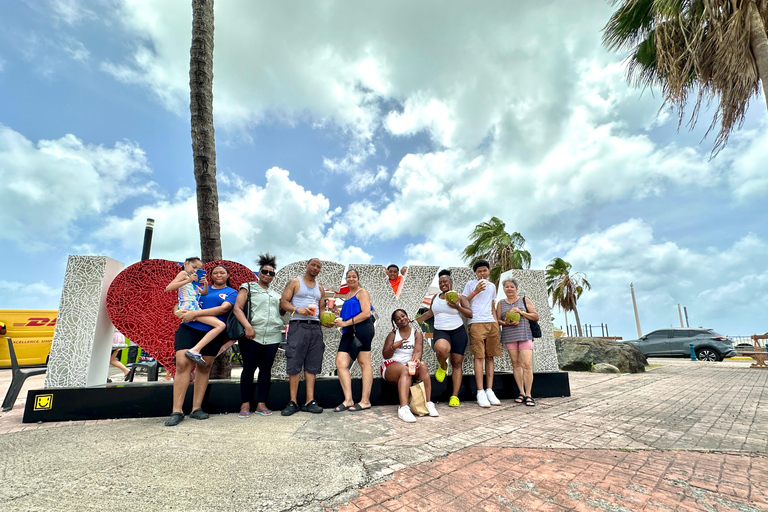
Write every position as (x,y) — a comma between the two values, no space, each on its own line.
(36,322)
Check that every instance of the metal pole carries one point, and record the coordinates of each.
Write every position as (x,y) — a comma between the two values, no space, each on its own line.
(685,309)
(147,239)
(634,306)
(680,314)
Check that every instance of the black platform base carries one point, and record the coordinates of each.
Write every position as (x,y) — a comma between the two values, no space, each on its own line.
(139,400)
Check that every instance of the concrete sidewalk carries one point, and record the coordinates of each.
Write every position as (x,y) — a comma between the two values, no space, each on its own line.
(683,436)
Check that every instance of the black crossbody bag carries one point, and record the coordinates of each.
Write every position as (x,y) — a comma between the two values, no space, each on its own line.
(535,327)
(235,329)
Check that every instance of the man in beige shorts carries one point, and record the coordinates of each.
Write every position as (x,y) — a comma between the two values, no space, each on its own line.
(483,331)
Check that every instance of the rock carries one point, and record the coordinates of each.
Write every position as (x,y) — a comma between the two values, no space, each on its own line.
(605,368)
(573,351)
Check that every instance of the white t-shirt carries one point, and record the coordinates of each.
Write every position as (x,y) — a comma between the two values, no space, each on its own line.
(446,318)
(482,303)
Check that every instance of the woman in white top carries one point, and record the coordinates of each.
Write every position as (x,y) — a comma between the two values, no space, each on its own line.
(397,354)
(450,336)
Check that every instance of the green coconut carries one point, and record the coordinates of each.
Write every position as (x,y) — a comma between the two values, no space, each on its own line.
(327,318)
(452,296)
(512,316)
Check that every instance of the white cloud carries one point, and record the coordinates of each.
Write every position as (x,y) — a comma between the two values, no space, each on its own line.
(723,289)
(282,218)
(71,12)
(49,186)
(37,295)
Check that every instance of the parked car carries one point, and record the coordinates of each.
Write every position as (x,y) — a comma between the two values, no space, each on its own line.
(707,344)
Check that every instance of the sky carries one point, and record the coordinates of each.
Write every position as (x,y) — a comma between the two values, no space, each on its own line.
(375,132)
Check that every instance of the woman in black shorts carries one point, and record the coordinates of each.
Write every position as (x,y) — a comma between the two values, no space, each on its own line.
(450,336)
(356,322)
(221,296)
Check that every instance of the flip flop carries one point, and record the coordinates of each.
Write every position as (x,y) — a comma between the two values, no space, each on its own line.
(341,408)
(244,415)
(264,412)
(358,407)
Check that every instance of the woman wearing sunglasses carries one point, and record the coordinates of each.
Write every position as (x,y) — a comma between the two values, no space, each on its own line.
(258,345)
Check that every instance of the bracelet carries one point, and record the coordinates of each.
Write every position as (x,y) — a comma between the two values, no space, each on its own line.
(474,293)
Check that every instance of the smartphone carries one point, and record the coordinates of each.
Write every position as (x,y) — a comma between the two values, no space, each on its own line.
(200,274)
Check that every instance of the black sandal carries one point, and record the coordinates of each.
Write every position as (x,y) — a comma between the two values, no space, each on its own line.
(520,398)
(529,401)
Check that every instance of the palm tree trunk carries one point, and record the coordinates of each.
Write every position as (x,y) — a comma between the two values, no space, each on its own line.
(204,146)
(565,312)
(578,321)
(203,137)
(759,45)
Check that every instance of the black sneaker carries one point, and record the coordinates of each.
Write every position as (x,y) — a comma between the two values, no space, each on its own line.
(312,407)
(174,420)
(199,414)
(197,358)
(291,408)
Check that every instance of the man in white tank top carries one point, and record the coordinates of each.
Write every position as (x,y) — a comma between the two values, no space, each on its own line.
(305,347)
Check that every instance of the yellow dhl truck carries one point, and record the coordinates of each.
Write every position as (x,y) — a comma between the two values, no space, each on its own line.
(32,333)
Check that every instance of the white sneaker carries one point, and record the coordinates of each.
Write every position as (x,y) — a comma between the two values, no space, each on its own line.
(482,400)
(492,397)
(432,409)
(405,414)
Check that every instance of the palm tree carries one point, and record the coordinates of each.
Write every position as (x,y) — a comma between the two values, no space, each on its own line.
(203,136)
(204,147)
(717,49)
(565,288)
(504,251)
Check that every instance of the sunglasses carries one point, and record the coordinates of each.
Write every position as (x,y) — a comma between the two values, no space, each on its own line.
(268,272)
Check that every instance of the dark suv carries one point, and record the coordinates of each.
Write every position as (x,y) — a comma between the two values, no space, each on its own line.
(708,345)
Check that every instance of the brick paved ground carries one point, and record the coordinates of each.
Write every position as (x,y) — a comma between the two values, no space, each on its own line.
(685,436)
(518,479)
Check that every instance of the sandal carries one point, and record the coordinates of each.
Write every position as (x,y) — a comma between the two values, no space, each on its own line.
(520,398)
(529,401)
(454,401)
(244,414)
(341,408)
(264,412)
(358,407)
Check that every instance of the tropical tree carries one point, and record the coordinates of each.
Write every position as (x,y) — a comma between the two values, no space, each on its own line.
(203,137)
(717,49)
(565,288)
(504,251)
(204,147)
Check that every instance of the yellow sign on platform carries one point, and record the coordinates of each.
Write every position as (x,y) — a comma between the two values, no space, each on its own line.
(43,402)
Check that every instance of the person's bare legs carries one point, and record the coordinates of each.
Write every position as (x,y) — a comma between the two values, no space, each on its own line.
(117,364)
(364,360)
(201,383)
(478,366)
(422,372)
(397,374)
(442,351)
(181,380)
(309,381)
(489,372)
(526,361)
(293,387)
(218,328)
(457,360)
(517,370)
(345,377)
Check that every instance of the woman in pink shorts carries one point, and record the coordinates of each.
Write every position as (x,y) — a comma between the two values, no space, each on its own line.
(516,336)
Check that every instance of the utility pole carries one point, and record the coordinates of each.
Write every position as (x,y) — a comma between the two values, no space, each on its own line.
(680,314)
(685,309)
(634,306)
(147,239)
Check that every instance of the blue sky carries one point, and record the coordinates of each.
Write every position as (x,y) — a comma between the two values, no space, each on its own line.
(374,133)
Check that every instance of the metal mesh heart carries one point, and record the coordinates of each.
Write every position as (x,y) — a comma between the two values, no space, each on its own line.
(140,308)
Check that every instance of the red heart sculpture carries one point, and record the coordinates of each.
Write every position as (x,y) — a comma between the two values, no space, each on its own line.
(140,308)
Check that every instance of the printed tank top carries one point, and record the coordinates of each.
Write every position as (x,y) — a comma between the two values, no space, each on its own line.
(519,332)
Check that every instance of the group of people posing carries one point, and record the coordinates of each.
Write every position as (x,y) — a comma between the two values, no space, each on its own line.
(203,309)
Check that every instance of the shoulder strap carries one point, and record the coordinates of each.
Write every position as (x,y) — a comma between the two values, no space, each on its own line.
(524,305)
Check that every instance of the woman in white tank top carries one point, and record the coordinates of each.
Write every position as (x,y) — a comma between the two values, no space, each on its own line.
(450,337)
(405,345)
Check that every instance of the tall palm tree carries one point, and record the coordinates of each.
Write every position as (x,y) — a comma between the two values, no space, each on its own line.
(504,251)
(717,49)
(203,136)
(204,147)
(565,288)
